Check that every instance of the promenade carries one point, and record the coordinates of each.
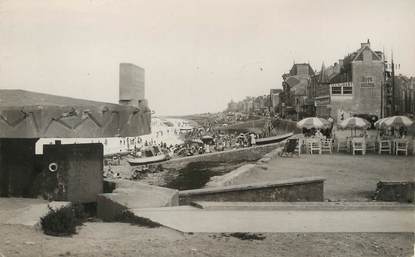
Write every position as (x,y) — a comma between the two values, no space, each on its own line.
(363,219)
(348,177)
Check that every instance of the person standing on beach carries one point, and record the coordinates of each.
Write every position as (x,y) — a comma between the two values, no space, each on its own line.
(331,120)
(253,139)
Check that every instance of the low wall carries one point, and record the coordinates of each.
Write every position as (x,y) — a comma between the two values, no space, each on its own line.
(395,191)
(243,154)
(247,170)
(125,194)
(285,125)
(290,190)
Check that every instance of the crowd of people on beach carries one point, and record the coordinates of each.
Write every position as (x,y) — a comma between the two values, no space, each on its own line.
(198,141)
(205,141)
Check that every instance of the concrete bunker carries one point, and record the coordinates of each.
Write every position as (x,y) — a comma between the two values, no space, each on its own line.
(70,172)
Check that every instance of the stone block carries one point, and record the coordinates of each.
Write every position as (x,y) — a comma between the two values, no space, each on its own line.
(403,191)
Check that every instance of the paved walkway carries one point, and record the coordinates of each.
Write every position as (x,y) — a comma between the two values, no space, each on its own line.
(192,219)
(348,178)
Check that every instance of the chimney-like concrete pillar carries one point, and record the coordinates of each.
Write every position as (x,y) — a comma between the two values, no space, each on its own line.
(132,85)
(365,44)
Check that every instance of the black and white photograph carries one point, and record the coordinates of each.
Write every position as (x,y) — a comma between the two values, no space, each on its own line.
(207,128)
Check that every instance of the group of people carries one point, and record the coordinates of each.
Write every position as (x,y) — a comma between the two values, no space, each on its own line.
(393,132)
(323,132)
(318,132)
(230,141)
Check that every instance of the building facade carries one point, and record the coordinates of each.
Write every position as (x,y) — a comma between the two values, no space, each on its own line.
(353,86)
(274,96)
(404,95)
(293,98)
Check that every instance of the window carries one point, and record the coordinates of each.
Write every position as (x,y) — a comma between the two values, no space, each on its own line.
(367,81)
(336,90)
(342,89)
(347,90)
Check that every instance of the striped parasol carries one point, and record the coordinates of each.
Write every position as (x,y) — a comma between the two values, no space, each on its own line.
(355,122)
(398,121)
(381,123)
(313,122)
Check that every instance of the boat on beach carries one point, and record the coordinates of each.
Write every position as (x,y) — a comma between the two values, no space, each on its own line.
(149,155)
(273,139)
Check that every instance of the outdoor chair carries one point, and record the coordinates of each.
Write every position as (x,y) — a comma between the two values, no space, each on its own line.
(385,146)
(299,146)
(326,145)
(371,144)
(342,145)
(358,145)
(401,146)
(306,144)
(314,145)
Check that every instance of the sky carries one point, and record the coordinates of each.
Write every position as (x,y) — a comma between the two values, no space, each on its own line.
(197,54)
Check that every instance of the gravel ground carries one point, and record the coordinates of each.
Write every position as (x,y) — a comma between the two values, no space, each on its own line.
(96,239)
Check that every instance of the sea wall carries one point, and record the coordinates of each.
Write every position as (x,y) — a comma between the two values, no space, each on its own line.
(289,190)
(244,154)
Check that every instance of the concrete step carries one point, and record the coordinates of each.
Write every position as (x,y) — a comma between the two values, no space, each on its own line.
(303,205)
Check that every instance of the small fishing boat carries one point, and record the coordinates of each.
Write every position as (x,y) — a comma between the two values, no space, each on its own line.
(274,139)
(149,154)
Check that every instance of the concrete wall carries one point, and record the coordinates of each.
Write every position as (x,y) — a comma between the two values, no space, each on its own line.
(395,191)
(126,194)
(243,154)
(78,177)
(17,167)
(367,99)
(25,114)
(291,190)
(131,84)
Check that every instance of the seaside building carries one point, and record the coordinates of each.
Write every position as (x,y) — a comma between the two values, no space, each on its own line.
(352,86)
(275,100)
(294,93)
(404,95)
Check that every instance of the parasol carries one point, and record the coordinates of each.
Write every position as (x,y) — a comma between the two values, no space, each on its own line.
(313,122)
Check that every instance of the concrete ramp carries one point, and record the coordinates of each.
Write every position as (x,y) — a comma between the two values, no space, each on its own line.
(25,211)
(273,220)
(126,194)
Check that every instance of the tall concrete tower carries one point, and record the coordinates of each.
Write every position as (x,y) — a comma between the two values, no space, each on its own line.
(132,85)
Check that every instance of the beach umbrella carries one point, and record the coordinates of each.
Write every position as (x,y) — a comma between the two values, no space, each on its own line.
(381,123)
(313,122)
(398,121)
(355,123)
(198,141)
